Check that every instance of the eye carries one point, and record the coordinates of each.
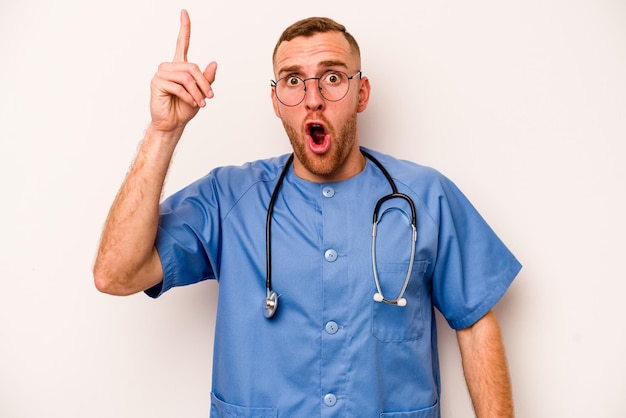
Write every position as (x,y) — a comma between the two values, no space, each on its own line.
(333,78)
(292,81)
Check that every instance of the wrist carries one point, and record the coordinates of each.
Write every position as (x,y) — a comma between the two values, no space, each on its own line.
(158,146)
(169,136)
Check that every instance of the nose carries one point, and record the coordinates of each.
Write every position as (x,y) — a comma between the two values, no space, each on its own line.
(313,100)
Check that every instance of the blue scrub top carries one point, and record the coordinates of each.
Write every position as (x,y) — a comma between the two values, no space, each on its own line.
(330,350)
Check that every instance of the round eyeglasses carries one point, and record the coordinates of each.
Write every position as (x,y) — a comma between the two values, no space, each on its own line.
(333,86)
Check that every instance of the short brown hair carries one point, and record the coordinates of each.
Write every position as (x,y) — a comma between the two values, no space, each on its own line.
(313,25)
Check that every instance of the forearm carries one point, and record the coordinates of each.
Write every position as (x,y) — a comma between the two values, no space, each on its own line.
(127,261)
(485,368)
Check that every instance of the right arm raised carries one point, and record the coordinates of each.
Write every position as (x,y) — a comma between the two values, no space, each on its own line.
(127,261)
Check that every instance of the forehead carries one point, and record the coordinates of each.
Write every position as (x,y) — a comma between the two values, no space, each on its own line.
(313,52)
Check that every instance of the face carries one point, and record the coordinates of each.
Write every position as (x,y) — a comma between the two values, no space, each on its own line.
(323,134)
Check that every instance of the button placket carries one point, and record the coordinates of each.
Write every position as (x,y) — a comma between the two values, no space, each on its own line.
(333,338)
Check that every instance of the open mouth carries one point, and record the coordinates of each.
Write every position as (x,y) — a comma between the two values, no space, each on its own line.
(318,137)
(317,132)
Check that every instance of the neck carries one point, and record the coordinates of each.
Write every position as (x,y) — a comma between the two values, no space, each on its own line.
(350,166)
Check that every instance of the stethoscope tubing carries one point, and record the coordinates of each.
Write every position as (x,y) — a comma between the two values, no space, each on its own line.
(271,297)
(378,296)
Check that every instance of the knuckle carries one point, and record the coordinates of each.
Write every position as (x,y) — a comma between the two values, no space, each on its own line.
(187,78)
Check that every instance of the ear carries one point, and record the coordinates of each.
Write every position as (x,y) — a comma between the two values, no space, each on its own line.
(364,94)
(275,104)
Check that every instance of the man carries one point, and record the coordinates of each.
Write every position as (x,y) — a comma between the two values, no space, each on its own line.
(340,342)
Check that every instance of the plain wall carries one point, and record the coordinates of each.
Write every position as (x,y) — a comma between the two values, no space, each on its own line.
(521,103)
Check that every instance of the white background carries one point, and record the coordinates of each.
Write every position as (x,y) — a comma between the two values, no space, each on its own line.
(521,103)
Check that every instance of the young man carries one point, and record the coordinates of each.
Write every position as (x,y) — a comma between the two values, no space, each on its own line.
(354,332)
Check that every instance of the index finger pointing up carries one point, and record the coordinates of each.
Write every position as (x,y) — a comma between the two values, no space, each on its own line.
(182,44)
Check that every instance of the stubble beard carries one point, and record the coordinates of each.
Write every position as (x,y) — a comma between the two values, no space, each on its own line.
(329,163)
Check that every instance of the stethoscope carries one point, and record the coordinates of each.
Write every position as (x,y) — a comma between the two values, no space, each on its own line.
(271,298)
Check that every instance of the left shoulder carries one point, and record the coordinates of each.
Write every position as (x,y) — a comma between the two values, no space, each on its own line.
(409,173)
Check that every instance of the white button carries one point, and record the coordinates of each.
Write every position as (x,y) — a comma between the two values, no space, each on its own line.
(328,191)
(330,255)
(330,400)
(332,327)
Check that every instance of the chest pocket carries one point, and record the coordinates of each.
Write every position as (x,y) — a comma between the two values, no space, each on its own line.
(221,409)
(392,323)
(431,412)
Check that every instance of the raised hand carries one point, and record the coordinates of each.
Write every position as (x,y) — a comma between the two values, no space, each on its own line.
(179,88)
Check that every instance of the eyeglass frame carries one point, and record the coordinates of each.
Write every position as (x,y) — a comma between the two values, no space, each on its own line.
(304,80)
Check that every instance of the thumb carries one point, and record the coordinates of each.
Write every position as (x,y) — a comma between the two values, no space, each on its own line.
(209,73)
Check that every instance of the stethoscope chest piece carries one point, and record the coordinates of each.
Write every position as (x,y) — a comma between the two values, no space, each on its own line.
(271,303)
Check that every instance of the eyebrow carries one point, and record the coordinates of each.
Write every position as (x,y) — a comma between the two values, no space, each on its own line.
(296,69)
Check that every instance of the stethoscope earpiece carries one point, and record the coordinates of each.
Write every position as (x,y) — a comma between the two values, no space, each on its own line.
(378,297)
